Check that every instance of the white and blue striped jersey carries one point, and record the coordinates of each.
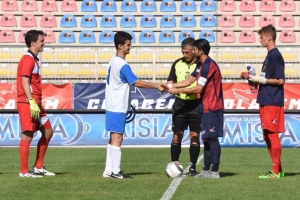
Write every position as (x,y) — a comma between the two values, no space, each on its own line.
(117,90)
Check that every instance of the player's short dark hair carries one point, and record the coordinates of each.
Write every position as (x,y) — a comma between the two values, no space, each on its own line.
(202,44)
(187,42)
(121,37)
(269,29)
(32,36)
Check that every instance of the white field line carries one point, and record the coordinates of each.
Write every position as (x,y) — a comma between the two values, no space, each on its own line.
(176,182)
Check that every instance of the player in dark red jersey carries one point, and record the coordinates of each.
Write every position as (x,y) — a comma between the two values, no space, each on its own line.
(270,98)
(31,113)
(209,90)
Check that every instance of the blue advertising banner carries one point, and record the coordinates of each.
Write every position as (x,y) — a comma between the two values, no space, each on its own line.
(92,96)
(240,130)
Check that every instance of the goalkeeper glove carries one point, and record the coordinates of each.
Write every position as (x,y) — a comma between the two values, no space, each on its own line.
(258,79)
(34,109)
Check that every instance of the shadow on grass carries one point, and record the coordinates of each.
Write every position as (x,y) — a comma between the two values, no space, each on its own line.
(227,174)
(290,174)
(139,173)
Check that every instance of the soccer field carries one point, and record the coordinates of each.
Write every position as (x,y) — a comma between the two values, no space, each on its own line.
(79,175)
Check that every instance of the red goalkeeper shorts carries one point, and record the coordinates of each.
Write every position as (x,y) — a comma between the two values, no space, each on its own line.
(272,118)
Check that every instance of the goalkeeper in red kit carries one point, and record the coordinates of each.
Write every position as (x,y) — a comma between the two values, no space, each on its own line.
(270,98)
(29,104)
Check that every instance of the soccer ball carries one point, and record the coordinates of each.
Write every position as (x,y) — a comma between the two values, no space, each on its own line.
(174,169)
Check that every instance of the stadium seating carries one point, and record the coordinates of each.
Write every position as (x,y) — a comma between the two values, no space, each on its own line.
(8,20)
(227,36)
(68,21)
(148,6)
(108,21)
(128,6)
(287,36)
(49,36)
(187,21)
(87,36)
(68,6)
(49,6)
(167,21)
(208,6)
(66,36)
(187,6)
(185,34)
(106,36)
(128,21)
(9,5)
(227,6)
(208,20)
(88,21)
(227,20)
(88,6)
(148,21)
(247,6)
(265,20)
(167,6)
(22,36)
(29,6)
(28,20)
(286,21)
(209,35)
(147,36)
(108,6)
(48,21)
(7,36)
(267,6)
(287,6)
(247,20)
(166,36)
(132,35)
(247,36)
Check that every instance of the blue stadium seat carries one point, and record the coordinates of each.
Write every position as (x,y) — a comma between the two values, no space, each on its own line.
(108,21)
(89,6)
(108,6)
(187,21)
(88,21)
(167,21)
(87,36)
(148,21)
(187,6)
(128,6)
(208,20)
(166,36)
(167,6)
(132,35)
(106,36)
(66,36)
(128,21)
(68,21)
(148,6)
(185,34)
(208,6)
(147,36)
(209,35)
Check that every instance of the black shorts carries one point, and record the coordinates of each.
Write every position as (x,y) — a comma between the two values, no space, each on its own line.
(186,114)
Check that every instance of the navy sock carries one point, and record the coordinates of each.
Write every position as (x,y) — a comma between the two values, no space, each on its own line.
(207,160)
(175,151)
(215,154)
(194,154)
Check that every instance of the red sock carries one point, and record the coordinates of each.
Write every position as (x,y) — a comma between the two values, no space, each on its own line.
(24,152)
(266,138)
(275,151)
(41,150)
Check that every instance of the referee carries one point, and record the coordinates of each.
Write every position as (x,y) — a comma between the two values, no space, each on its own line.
(186,107)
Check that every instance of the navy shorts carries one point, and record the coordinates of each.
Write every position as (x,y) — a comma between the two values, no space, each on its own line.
(186,114)
(212,124)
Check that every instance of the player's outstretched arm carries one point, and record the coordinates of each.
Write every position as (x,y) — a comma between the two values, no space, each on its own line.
(143,84)
(181,84)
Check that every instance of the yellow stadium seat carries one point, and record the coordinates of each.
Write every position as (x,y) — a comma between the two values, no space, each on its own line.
(4,56)
(47,56)
(163,72)
(46,72)
(5,72)
(86,56)
(145,56)
(167,56)
(65,56)
(84,72)
(247,56)
(228,72)
(227,56)
(105,56)
(144,72)
(291,72)
(289,56)
(64,72)
(102,72)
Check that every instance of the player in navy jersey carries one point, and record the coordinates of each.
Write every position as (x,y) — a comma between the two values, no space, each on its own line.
(211,105)
(270,98)
(118,101)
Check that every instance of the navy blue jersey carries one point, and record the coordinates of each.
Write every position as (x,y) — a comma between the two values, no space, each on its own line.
(273,68)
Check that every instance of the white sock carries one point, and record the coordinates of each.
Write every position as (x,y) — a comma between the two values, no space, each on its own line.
(116,158)
(108,164)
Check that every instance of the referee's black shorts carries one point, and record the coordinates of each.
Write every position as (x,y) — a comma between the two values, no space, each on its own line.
(186,114)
